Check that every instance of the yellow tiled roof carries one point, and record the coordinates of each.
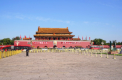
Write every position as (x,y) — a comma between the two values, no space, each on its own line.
(53,30)
(53,35)
(76,39)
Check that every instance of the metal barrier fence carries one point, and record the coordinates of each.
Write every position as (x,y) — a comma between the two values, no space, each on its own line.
(4,54)
(88,52)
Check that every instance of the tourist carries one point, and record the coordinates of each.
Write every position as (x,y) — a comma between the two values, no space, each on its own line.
(27,52)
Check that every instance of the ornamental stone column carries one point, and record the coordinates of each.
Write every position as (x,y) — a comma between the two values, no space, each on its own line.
(51,38)
(68,38)
(57,38)
(60,38)
(43,38)
(47,38)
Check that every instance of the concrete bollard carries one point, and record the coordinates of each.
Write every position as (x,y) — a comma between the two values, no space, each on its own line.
(11,53)
(85,52)
(14,52)
(101,53)
(4,55)
(91,52)
(81,52)
(107,55)
(88,52)
(0,55)
(96,53)
(114,56)
(8,53)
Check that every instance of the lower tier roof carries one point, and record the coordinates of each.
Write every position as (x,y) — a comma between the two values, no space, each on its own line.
(41,35)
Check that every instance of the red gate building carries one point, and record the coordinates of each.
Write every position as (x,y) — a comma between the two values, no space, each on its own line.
(53,37)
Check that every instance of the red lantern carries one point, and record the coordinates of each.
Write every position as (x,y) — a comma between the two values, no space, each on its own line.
(93,42)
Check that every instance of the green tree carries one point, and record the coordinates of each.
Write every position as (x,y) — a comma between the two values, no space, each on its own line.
(5,41)
(107,44)
(98,41)
(16,38)
(0,42)
(8,41)
(119,43)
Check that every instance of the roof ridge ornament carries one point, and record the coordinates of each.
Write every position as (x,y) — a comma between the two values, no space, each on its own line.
(38,28)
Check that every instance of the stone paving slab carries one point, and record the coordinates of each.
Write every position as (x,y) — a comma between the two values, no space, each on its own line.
(60,66)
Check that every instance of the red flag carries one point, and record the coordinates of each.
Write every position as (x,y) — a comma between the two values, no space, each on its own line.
(20,36)
(78,37)
(86,37)
(25,36)
(89,38)
(82,37)
(29,37)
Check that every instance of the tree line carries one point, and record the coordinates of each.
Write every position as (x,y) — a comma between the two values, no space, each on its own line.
(98,42)
(8,41)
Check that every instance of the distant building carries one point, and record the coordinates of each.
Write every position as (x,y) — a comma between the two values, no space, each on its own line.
(27,38)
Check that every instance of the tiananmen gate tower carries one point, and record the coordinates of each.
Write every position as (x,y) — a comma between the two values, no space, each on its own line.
(53,37)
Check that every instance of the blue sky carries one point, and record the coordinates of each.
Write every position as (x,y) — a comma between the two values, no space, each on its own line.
(91,18)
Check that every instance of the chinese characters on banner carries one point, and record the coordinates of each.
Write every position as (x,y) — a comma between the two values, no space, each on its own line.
(40,42)
(70,42)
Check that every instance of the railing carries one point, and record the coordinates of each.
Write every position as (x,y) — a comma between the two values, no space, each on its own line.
(79,51)
(90,52)
(4,54)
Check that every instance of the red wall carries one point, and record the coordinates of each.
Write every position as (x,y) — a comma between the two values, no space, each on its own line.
(107,46)
(49,44)
(73,43)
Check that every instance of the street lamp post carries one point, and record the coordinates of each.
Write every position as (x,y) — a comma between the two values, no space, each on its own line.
(115,45)
(102,44)
(91,43)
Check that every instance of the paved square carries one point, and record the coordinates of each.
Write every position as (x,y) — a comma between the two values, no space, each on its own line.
(60,66)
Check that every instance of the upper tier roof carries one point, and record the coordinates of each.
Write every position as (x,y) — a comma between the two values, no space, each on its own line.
(53,30)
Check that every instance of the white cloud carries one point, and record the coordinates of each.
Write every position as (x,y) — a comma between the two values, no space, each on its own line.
(6,16)
(20,16)
(113,26)
(52,20)
(67,22)
(106,24)
(108,5)
(42,19)
(86,22)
